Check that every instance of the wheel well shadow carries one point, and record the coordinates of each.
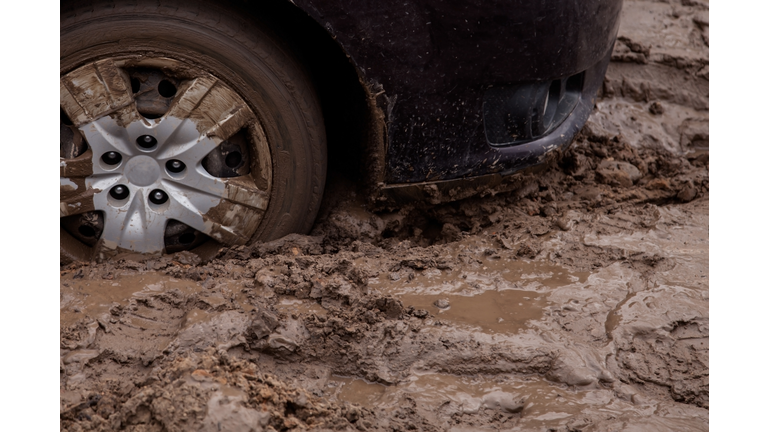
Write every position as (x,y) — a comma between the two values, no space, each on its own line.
(354,130)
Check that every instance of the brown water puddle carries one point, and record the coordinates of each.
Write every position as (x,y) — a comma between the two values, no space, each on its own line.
(82,298)
(94,297)
(493,311)
(494,274)
(499,296)
(357,391)
(546,405)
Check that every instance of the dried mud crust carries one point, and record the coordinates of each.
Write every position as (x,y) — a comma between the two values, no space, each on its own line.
(606,251)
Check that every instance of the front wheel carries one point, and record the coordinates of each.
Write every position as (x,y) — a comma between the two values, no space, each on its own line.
(183,125)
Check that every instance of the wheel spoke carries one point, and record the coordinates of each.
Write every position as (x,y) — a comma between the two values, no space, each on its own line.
(203,116)
(237,190)
(79,195)
(243,191)
(229,124)
(81,166)
(183,210)
(94,91)
(136,228)
(212,212)
(190,96)
(191,153)
(106,134)
(75,198)
(209,190)
(214,108)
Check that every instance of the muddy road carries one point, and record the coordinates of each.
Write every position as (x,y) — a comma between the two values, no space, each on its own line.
(578,302)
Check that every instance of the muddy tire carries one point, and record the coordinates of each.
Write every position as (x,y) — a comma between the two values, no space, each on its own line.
(285,134)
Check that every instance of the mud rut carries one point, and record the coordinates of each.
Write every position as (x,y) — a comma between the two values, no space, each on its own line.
(578,302)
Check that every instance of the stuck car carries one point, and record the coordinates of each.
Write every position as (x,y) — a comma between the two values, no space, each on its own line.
(188,125)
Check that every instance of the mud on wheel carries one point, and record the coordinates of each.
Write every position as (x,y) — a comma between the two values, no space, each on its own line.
(183,127)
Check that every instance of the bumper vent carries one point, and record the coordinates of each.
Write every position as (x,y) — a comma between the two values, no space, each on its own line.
(520,113)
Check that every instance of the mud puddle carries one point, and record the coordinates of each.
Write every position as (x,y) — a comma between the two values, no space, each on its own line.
(82,298)
(493,311)
(500,294)
(547,406)
(358,391)
(481,269)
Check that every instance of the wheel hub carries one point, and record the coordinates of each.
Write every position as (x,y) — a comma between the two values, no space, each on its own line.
(159,180)
(142,170)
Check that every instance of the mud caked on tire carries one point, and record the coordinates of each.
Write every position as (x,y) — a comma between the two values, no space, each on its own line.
(182,122)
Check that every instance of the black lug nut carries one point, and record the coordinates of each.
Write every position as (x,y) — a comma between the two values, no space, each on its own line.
(146,141)
(175,166)
(158,197)
(111,158)
(119,192)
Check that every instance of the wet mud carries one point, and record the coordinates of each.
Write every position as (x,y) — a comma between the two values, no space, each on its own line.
(577,302)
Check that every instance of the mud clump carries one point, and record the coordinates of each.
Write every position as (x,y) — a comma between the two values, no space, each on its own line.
(212,392)
(534,308)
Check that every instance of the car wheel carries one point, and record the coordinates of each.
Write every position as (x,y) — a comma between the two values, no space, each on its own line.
(184,126)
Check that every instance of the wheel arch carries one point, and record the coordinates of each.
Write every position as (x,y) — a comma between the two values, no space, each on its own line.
(354,122)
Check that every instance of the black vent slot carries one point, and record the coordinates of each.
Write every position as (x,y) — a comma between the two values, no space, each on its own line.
(517,114)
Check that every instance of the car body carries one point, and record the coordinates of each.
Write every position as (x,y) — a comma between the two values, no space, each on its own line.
(431,62)
(429,99)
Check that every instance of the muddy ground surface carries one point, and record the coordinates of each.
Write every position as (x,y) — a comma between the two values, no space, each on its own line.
(578,302)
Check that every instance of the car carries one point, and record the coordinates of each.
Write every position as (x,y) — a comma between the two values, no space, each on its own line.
(188,125)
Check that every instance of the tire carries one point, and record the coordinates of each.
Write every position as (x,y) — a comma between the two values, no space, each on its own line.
(197,40)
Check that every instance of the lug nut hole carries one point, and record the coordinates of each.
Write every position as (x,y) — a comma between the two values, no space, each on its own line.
(175,166)
(233,159)
(119,192)
(158,197)
(111,158)
(166,89)
(146,141)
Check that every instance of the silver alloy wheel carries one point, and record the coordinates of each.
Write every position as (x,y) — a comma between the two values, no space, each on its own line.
(142,173)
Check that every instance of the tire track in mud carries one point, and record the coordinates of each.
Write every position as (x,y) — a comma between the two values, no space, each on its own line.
(310,317)
(302,316)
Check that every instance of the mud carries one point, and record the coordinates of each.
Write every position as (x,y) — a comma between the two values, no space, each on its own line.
(576,302)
